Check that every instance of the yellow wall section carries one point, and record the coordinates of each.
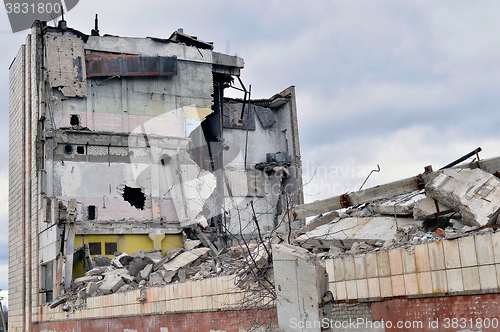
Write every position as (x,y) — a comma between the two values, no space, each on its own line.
(128,243)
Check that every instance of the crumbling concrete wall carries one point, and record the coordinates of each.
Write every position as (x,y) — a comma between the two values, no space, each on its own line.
(303,302)
(274,181)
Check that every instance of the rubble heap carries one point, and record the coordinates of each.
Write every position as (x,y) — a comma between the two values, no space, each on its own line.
(455,203)
(140,270)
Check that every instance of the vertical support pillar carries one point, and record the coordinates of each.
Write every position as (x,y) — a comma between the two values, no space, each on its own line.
(301,284)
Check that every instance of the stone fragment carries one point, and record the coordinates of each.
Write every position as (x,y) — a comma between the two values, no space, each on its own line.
(155,255)
(146,271)
(92,287)
(191,244)
(155,279)
(111,284)
(426,208)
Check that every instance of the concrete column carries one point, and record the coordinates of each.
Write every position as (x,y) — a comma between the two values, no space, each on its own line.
(301,283)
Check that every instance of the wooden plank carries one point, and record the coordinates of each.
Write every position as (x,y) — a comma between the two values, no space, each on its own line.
(382,191)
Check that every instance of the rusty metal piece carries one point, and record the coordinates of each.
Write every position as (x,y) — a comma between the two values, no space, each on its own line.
(494,226)
(345,201)
(420,182)
(103,65)
(373,170)
(428,169)
(497,174)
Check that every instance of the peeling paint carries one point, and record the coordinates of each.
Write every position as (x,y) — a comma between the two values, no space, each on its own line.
(65,66)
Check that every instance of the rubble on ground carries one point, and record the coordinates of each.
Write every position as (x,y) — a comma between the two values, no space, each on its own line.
(455,203)
(141,269)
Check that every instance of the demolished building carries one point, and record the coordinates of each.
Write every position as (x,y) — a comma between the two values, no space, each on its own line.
(125,157)
(127,144)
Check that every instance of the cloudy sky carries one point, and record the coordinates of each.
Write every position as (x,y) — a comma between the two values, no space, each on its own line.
(401,84)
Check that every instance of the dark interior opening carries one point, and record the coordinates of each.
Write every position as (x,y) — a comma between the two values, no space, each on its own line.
(165,159)
(110,248)
(80,149)
(68,149)
(91,212)
(95,248)
(74,120)
(135,197)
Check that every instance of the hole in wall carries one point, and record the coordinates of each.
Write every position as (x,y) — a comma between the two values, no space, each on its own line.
(91,212)
(134,196)
(74,120)
(165,159)
(68,149)
(80,149)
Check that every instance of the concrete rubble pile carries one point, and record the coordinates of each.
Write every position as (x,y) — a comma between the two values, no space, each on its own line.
(457,202)
(141,269)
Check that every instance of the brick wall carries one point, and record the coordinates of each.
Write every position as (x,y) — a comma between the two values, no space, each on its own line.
(16,186)
(23,183)
(346,311)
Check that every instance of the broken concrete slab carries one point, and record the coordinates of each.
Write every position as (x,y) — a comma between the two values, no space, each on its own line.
(146,271)
(127,278)
(345,232)
(116,261)
(111,285)
(117,272)
(155,255)
(80,281)
(185,259)
(191,244)
(139,254)
(171,254)
(98,270)
(401,205)
(429,208)
(475,193)
(319,221)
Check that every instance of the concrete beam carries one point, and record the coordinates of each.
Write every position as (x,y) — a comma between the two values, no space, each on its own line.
(475,193)
(384,191)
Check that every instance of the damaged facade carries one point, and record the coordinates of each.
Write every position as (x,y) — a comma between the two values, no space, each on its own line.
(142,199)
(128,144)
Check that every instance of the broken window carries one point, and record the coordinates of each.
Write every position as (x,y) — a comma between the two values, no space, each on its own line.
(110,248)
(48,281)
(74,120)
(91,212)
(95,248)
(135,197)
(80,149)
